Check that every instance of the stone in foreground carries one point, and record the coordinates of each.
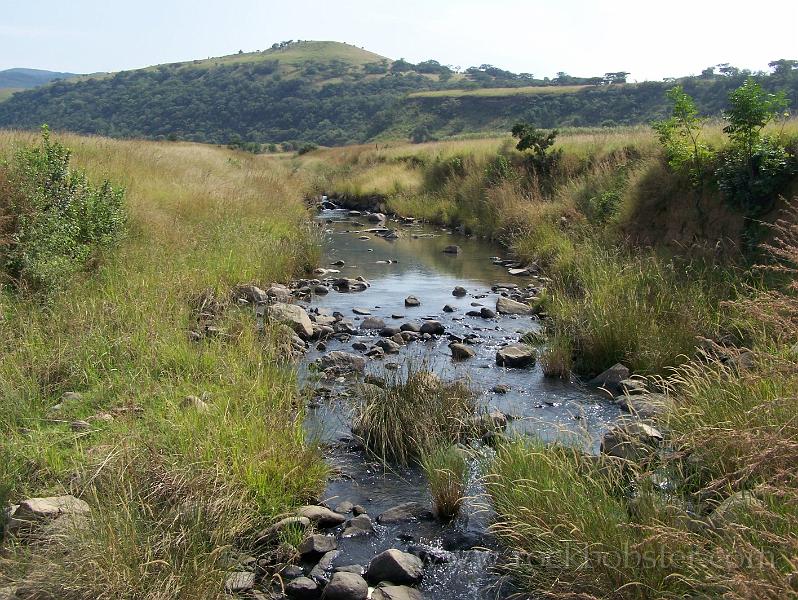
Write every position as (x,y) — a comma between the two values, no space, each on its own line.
(343,362)
(395,566)
(631,440)
(346,586)
(302,588)
(396,592)
(240,582)
(294,316)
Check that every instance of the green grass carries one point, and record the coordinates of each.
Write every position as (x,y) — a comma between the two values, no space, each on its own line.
(446,469)
(201,220)
(502,92)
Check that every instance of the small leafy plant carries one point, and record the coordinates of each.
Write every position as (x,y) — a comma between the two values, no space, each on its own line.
(54,220)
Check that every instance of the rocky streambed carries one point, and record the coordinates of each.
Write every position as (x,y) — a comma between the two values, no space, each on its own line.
(394,295)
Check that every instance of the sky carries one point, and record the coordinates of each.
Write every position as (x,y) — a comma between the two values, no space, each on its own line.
(651,40)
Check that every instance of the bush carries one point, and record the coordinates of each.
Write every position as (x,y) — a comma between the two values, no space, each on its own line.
(55,222)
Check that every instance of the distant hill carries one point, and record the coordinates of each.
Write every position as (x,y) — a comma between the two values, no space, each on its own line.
(331,93)
(23,79)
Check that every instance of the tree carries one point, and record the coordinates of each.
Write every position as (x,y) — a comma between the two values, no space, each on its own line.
(751,109)
(783,66)
(531,138)
(680,134)
(616,77)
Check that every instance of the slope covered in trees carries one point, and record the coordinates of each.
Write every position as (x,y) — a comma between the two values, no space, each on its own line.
(331,93)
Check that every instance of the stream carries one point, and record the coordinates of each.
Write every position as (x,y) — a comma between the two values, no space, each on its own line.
(415,263)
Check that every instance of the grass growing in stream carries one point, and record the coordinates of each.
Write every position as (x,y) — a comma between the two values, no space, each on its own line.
(446,469)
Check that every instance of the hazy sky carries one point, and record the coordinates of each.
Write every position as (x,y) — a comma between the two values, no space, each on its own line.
(651,40)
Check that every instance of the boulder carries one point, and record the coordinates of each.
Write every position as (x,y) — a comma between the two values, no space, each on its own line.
(347,284)
(516,356)
(735,509)
(344,507)
(43,509)
(316,545)
(277,292)
(237,583)
(303,588)
(321,572)
(452,249)
(459,291)
(647,405)
(372,323)
(389,331)
(487,313)
(346,586)
(376,218)
(411,327)
(395,566)
(396,592)
(611,378)
(506,306)
(412,301)
(343,362)
(631,440)
(292,315)
(321,516)
(432,327)
(251,293)
(461,351)
(407,511)
(359,526)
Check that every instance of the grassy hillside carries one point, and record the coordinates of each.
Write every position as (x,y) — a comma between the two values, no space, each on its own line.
(112,351)
(330,93)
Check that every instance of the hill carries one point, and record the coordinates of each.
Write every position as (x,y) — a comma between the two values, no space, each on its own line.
(332,93)
(23,79)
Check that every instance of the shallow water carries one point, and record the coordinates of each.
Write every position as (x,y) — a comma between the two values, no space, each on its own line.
(550,409)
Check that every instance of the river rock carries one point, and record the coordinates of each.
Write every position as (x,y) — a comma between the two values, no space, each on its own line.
(294,316)
(412,301)
(411,327)
(448,308)
(277,292)
(358,526)
(316,545)
(358,510)
(43,509)
(250,293)
(516,356)
(303,588)
(343,362)
(237,583)
(452,249)
(407,511)
(395,566)
(506,306)
(501,388)
(459,291)
(646,406)
(487,313)
(346,586)
(321,516)
(346,284)
(631,440)
(461,351)
(301,523)
(389,346)
(389,331)
(432,327)
(344,507)
(338,263)
(735,509)
(396,592)
(361,311)
(611,378)
(321,572)
(376,352)
(360,346)
(372,323)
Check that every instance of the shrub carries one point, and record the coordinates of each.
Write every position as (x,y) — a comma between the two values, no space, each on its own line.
(414,414)
(446,469)
(54,220)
